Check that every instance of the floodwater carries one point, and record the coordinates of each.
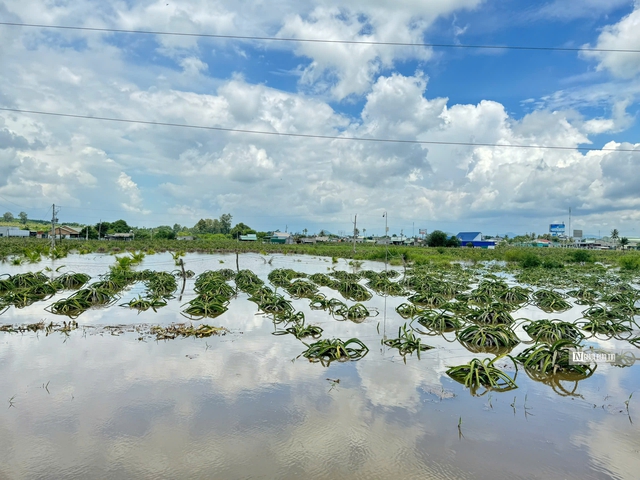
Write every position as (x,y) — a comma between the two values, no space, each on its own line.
(239,406)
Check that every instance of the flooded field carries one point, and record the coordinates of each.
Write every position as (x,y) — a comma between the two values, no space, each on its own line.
(111,397)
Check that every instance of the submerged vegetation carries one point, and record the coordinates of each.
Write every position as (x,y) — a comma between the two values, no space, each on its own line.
(328,350)
(476,303)
(482,373)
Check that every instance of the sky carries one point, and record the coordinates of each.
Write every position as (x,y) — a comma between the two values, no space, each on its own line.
(153,175)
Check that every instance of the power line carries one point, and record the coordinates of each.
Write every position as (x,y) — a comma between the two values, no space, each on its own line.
(319,40)
(322,137)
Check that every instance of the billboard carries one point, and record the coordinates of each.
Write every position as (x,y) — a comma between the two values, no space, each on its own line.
(422,231)
(577,234)
(556,228)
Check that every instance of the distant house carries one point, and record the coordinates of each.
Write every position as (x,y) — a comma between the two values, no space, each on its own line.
(475,239)
(122,237)
(66,232)
(322,238)
(541,242)
(311,240)
(249,237)
(398,240)
(185,237)
(281,237)
(13,232)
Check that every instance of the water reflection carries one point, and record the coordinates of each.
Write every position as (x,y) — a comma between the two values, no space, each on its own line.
(238,407)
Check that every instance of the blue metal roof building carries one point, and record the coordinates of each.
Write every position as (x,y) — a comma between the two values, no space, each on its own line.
(466,237)
(475,239)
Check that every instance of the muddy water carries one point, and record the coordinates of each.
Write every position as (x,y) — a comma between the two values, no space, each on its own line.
(95,405)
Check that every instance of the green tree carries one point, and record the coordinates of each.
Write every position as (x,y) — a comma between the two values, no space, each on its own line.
(624,241)
(614,235)
(453,241)
(93,233)
(8,217)
(23,218)
(102,228)
(119,226)
(222,225)
(437,238)
(241,229)
(225,223)
(164,232)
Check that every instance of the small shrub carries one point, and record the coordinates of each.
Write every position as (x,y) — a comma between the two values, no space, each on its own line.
(581,256)
(551,263)
(514,255)
(629,263)
(530,260)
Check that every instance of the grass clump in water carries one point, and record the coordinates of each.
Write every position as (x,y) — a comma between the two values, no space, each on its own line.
(551,359)
(482,374)
(329,350)
(407,342)
(487,337)
(553,330)
(184,330)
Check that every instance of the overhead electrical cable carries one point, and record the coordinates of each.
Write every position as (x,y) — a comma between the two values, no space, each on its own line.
(315,136)
(319,40)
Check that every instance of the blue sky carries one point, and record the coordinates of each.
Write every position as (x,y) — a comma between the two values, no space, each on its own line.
(161,175)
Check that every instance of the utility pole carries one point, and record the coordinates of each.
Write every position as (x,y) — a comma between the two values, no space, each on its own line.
(87,233)
(53,226)
(386,241)
(355,232)
(570,231)
(99,229)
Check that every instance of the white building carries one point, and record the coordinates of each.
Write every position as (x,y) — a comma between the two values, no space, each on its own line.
(13,232)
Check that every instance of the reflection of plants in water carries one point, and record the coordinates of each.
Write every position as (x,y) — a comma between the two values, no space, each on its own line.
(557,381)
(407,342)
(552,359)
(553,330)
(326,351)
(482,374)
